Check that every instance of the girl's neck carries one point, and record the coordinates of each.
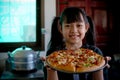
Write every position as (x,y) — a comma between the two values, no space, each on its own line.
(73,46)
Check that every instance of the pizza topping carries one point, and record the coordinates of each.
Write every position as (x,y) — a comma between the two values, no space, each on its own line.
(91,59)
(62,61)
(87,64)
(76,60)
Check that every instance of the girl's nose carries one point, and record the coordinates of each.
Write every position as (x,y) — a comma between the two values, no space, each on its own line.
(73,28)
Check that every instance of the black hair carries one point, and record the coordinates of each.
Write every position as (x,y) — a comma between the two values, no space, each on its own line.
(90,38)
(72,14)
(56,36)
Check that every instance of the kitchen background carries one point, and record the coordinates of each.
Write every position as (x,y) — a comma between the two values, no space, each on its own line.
(105,17)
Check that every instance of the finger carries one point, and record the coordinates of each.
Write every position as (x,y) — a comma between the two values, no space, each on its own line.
(107,65)
(42,58)
(108,58)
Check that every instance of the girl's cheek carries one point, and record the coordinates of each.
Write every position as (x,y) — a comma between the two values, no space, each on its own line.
(83,31)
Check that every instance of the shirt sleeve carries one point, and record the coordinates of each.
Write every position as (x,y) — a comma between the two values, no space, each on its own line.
(97,50)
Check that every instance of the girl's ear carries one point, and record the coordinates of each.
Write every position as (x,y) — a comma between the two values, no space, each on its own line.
(87,27)
(60,28)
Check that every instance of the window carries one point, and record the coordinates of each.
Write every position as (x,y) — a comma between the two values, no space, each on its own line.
(20,24)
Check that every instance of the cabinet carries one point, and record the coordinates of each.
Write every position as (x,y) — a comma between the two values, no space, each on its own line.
(38,75)
(102,17)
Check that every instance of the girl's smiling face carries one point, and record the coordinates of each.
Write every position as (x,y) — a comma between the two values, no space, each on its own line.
(74,32)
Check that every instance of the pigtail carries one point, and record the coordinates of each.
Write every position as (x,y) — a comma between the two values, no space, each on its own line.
(90,38)
(56,36)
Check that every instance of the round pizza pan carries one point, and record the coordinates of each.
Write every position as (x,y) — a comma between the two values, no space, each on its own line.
(78,72)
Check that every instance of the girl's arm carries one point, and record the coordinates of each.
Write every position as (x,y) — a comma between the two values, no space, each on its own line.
(98,75)
(51,74)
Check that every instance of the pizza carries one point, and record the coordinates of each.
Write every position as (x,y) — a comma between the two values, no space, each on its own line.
(75,61)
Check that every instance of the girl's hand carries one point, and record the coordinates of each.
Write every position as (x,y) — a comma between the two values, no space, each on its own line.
(43,59)
(108,58)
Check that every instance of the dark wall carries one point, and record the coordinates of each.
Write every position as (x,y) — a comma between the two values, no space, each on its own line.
(113,7)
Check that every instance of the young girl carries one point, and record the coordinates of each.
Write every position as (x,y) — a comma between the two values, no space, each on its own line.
(73,27)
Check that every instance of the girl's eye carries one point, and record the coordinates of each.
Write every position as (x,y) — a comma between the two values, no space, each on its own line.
(79,26)
(67,25)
